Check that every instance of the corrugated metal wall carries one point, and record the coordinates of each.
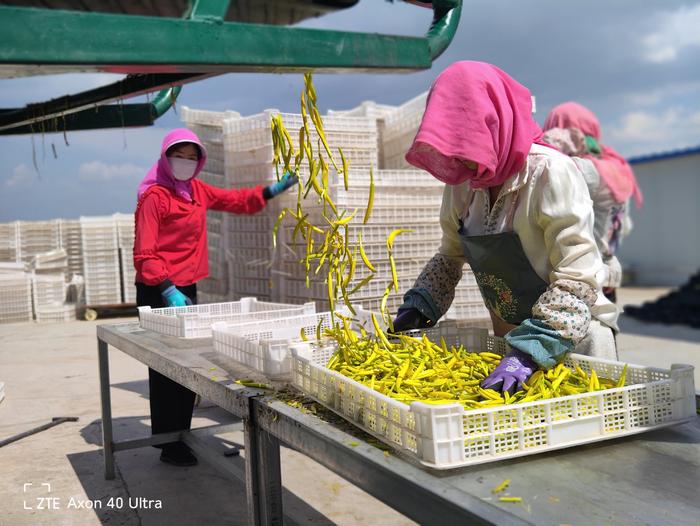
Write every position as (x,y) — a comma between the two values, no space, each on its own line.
(663,249)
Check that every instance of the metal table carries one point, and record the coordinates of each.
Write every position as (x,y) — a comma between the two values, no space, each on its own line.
(653,478)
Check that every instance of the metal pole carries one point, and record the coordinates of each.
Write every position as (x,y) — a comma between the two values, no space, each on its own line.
(251,472)
(270,479)
(107,439)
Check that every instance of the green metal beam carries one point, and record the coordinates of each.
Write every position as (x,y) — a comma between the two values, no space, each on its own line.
(81,110)
(446,15)
(101,117)
(129,44)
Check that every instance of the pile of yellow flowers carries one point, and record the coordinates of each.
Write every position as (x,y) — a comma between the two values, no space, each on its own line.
(409,368)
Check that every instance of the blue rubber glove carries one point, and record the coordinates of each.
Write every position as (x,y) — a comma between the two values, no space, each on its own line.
(515,368)
(175,298)
(287,181)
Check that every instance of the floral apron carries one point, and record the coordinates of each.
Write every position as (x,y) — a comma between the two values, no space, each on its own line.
(507,281)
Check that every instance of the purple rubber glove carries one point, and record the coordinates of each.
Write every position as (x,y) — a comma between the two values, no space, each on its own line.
(515,368)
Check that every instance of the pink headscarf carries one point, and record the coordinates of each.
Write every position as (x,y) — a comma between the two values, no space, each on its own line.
(161,173)
(611,166)
(475,112)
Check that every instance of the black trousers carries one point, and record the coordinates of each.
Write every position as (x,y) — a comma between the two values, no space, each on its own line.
(171,403)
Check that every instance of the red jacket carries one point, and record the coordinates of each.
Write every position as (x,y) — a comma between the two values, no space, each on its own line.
(171,233)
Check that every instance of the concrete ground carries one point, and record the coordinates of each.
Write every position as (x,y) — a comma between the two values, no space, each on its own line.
(55,477)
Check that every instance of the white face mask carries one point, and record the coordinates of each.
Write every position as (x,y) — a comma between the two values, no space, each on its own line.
(183,169)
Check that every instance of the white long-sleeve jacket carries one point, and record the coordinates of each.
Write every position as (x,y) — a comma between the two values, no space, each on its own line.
(554,221)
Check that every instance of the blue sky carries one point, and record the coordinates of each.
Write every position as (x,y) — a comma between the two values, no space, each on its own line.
(636,65)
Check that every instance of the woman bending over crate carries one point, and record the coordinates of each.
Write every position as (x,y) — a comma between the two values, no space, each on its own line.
(575,130)
(170,256)
(518,212)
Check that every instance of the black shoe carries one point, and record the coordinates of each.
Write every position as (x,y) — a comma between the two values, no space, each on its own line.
(178,454)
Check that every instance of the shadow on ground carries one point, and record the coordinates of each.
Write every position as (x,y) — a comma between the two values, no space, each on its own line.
(149,492)
(629,325)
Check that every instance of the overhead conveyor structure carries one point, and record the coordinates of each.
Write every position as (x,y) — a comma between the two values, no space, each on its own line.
(213,37)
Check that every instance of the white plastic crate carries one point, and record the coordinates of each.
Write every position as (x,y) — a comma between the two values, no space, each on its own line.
(9,241)
(404,248)
(48,289)
(467,311)
(56,313)
(448,436)
(214,167)
(468,294)
(294,121)
(215,151)
(406,118)
(319,289)
(373,233)
(264,346)
(386,213)
(395,162)
(196,321)
(250,286)
(367,108)
(204,117)
(263,155)
(15,297)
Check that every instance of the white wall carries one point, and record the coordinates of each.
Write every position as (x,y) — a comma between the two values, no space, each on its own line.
(664,247)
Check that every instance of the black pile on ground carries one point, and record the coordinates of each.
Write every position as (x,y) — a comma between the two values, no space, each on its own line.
(681,306)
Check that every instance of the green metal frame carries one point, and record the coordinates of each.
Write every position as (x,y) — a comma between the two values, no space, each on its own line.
(100,117)
(205,43)
(161,53)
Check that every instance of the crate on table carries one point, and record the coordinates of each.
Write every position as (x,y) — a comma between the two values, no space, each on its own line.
(448,436)
(196,321)
(264,346)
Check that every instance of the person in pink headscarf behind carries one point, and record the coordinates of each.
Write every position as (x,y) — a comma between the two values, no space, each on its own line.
(170,257)
(575,130)
(518,212)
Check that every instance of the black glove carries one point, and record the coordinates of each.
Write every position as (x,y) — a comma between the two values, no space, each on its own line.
(410,319)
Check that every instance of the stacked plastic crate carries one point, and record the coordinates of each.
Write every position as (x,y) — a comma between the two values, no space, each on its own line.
(71,242)
(397,133)
(49,287)
(9,241)
(399,130)
(101,260)
(37,237)
(408,199)
(208,125)
(254,264)
(125,240)
(15,296)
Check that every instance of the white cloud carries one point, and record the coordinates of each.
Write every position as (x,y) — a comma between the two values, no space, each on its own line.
(641,132)
(99,171)
(677,30)
(21,174)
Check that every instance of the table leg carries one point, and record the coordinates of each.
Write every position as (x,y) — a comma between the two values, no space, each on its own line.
(270,479)
(263,474)
(251,472)
(107,438)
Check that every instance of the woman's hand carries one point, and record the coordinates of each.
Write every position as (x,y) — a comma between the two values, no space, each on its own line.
(515,368)
(175,298)
(410,319)
(287,181)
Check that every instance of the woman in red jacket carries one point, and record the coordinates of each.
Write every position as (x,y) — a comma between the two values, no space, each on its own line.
(170,256)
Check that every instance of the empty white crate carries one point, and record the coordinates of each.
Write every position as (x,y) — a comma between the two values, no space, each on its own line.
(448,436)
(264,346)
(196,321)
